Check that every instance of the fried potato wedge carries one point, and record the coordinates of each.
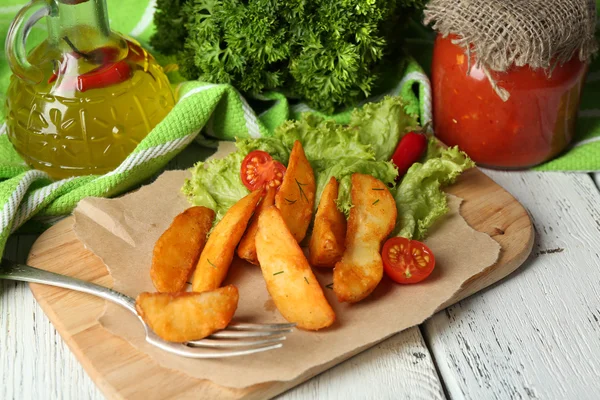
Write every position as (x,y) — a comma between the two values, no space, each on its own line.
(290,280)
(247,248)
(326,245)
(372,218)
(219,250)
(181,317)
(177,251)
(296,196)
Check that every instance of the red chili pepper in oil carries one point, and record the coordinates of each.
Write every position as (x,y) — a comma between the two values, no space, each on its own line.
(108,73)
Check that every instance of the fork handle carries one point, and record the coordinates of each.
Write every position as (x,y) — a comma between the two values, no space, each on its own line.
(25,273)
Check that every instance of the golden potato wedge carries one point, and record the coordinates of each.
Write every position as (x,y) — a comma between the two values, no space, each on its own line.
(296,196)
(177,251)
(290,281)
(181,317)
(218,253)
(247,248)
(326,245)
(372,218)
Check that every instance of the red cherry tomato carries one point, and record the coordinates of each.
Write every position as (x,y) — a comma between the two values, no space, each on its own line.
(407,261)
(409,151)
(259,170)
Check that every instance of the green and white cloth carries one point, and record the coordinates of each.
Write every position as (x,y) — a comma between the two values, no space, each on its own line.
(219,111)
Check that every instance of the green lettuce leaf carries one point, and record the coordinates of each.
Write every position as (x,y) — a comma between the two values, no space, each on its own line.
(216,184)
(323,139)
(419,197)
(365,146)
(275,147)
(382,125)
(343,169)
(434,149)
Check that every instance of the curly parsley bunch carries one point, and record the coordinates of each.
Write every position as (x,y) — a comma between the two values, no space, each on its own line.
(325,52)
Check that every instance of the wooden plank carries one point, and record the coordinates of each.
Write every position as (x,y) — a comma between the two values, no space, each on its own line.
(35,363)
(537,335)
(487,208)
(398,368)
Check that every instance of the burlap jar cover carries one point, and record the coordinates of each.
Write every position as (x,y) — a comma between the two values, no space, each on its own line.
(505,33)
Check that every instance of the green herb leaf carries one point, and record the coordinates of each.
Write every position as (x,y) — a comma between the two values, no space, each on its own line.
(375,202)
(277,273)
(327,53)
(306,280)
(213,265)
(302,194)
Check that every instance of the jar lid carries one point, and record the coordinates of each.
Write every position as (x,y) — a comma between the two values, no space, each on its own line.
(503,33)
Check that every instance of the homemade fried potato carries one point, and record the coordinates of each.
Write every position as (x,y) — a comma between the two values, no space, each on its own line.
(218,253)
(181,317)
(296,196)
(290,280)
(372,218)
(177,251)
(247,247)
(326,245)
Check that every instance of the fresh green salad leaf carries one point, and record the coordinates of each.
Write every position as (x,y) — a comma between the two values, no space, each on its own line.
(216,184)
(382,125)
(323,139)
(365,146)
(275,147)
(342,170)
(419,198)
(434,150)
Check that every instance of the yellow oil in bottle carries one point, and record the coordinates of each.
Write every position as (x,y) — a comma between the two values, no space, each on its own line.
(67,126)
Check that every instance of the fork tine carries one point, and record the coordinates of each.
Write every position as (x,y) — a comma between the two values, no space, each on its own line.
(218,354)
(241,326)
(200,353)
(245,334)
(233,343)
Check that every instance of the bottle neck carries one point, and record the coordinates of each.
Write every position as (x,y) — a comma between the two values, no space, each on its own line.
(83,22)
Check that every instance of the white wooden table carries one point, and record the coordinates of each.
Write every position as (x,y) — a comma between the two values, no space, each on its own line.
(534,335)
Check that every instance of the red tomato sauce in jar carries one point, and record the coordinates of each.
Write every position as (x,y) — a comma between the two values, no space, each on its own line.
(535,124)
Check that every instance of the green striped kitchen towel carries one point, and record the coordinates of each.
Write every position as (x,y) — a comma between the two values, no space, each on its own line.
(218,110)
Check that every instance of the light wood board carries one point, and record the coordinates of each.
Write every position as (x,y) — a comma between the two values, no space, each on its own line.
(121,371)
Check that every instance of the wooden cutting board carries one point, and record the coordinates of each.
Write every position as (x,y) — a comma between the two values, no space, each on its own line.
(121,371)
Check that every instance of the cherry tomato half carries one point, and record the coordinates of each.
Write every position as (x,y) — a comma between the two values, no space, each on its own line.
(259,170)
(407,261)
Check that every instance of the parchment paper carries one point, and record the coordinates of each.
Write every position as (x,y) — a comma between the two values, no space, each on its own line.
(122,232)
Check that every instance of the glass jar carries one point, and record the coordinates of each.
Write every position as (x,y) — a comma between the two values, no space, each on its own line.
(535,124)
(81,101)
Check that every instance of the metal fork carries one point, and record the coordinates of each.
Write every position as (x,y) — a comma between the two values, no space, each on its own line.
(237,339)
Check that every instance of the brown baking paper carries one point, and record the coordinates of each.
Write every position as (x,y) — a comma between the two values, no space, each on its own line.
(122,232)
